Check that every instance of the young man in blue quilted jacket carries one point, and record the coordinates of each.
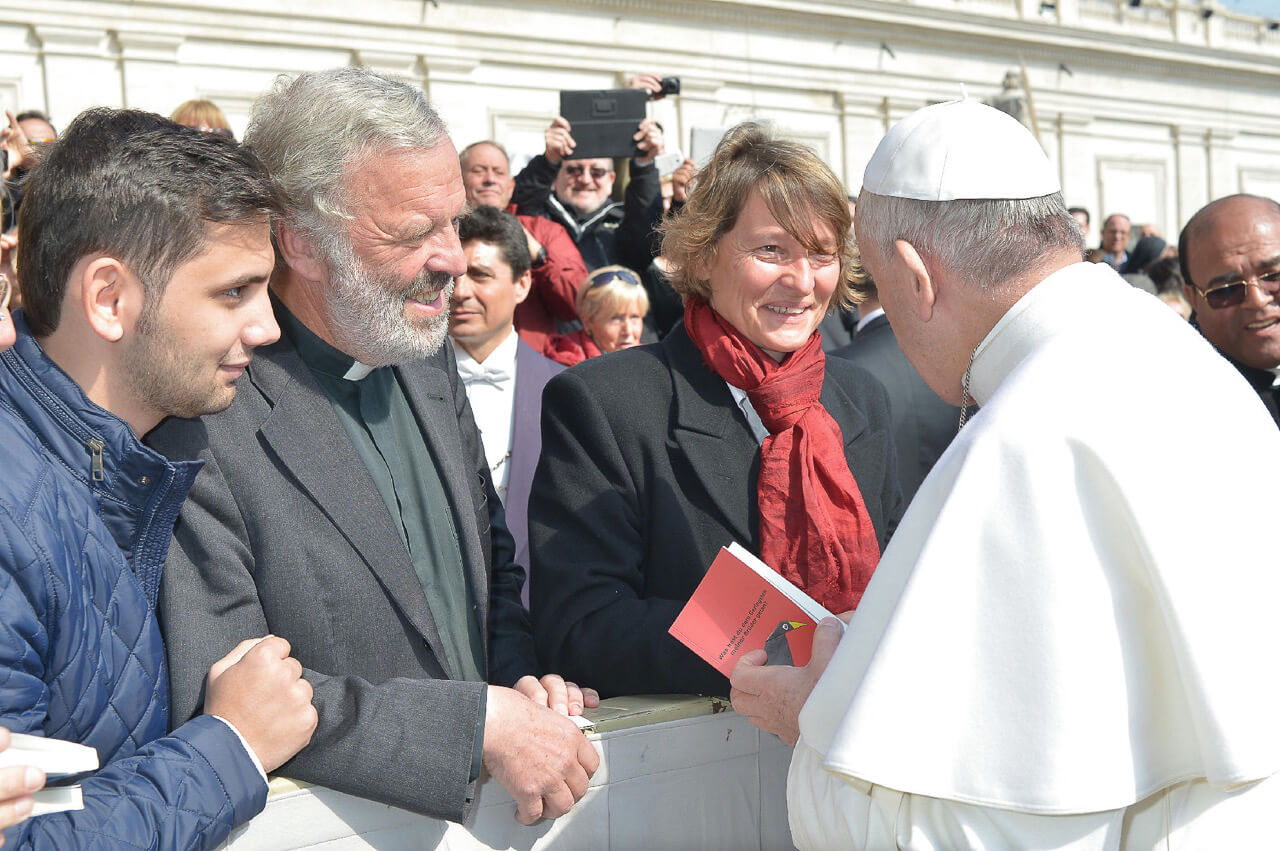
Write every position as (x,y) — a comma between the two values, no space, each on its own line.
(144,259)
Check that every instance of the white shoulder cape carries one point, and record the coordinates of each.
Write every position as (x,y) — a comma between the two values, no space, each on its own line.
(1079,607)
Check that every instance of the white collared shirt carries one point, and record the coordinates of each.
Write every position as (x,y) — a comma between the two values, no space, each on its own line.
(865,319)
(491,388)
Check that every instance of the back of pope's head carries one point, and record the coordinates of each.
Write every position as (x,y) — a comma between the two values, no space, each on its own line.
(971,189)
(961,198)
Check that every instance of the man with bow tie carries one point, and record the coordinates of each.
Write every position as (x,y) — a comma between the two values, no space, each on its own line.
(503,375)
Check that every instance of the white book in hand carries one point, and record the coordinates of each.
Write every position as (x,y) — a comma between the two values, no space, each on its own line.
(59,799)
(56,758)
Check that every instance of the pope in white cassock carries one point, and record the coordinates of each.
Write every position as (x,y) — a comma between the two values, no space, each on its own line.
(1071,641)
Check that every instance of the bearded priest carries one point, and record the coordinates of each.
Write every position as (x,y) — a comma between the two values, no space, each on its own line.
(1070,642)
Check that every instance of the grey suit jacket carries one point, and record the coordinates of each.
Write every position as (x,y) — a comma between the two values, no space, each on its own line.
(533,371)
(285,533)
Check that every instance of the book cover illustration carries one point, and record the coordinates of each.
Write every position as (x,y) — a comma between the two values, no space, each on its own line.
(743,605)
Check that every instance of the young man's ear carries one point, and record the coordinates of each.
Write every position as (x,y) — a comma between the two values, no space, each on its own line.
(923,288)
(299,252)
(523,285)
(109,295)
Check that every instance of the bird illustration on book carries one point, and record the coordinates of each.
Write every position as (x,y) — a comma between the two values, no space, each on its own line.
(778,645)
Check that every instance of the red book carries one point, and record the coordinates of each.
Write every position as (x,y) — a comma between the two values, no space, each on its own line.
(743,605)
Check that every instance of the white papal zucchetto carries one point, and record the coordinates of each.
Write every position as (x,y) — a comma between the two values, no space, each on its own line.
(957,150)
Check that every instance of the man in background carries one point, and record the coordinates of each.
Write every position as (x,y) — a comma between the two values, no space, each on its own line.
(1230,256)
(577,193)
(557,269)
(1115,240)
(503,375)
(37,127)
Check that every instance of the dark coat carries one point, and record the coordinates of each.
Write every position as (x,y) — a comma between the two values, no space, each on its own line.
(83,537)
(285,532)
(648,468)
(923,424)
(1261,380)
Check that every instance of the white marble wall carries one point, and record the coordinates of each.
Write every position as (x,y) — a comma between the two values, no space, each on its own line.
(1151,110)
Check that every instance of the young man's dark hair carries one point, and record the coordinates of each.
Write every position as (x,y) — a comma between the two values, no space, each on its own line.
(147,202)
(491,225)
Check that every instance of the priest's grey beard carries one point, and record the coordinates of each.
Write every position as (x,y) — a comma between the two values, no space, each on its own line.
(368,310)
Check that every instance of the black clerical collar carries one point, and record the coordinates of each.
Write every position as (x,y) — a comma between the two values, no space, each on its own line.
(318,355)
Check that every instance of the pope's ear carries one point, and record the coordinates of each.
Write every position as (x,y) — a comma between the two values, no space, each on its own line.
(109,295)
(300,253)
(922,287)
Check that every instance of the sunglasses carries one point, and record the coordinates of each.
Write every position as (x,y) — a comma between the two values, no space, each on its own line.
(606,278)
(1232,293)
(596,172)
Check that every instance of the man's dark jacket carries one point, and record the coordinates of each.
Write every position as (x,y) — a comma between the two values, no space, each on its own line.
(285,533)
(1263,381)
(923,424)
(86,514)
(648,468)
(620,233)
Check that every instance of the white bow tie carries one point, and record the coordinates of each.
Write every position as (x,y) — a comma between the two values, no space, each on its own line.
(472,372)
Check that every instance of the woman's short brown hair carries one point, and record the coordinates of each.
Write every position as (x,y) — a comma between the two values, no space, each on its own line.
(796,186)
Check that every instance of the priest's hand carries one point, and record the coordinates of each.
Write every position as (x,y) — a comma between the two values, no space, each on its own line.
(557,694)
(771,696)
(540,757)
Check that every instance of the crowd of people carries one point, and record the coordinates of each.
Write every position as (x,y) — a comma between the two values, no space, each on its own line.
(342,453)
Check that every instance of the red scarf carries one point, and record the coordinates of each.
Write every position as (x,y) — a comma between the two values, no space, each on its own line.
(814,526)
(571,349)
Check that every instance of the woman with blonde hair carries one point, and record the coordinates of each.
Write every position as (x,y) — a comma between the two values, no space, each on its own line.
(736,427)
(612,303)
(202,115)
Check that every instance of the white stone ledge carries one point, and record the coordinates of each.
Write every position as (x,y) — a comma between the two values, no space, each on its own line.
(675,773)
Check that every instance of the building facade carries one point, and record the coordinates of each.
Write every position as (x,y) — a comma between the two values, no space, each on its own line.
(1149,107)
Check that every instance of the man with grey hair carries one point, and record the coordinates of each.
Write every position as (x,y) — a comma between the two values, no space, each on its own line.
(1049,655)
(347,503)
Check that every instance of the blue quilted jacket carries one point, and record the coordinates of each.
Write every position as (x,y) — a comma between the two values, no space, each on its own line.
(86,515)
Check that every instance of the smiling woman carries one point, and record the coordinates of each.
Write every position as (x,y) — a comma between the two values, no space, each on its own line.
(734,427)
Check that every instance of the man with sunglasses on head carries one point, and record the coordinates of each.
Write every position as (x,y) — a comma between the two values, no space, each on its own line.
(1230,256)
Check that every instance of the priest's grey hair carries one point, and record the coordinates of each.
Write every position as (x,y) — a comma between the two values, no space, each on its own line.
(310,128)
(987,242)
